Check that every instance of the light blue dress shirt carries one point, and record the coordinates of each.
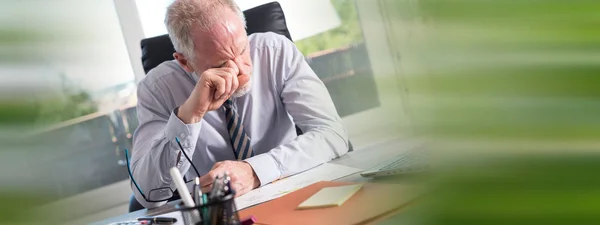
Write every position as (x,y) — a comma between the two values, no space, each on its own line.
(285,92)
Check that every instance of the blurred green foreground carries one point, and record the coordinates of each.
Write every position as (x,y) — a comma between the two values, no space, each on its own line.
(510,93)
(508,90)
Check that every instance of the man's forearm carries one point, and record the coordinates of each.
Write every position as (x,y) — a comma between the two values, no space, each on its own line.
(156,151)
(308,150)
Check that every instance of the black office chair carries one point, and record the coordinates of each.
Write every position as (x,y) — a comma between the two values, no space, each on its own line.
(263,18)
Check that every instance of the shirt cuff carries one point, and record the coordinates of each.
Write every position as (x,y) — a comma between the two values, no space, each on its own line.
(265,168)
(187,133)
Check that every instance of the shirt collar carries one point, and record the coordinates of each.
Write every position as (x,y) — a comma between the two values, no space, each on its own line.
(194,76)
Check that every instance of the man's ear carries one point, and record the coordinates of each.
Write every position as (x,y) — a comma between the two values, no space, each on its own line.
(183,62)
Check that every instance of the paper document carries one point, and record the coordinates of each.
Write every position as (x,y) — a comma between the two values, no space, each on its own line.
(324,172)
(330,196)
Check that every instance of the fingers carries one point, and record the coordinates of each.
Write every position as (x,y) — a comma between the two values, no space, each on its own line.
(230,83)
(206,189)
(235,72)
(237,186)
(224,80)
(220,86)
(208,178)
(234,84)
(223,92)
(232,65)
(216,165)
(241,179)
(218,169)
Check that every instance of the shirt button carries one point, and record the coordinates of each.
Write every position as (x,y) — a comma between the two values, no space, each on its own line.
(182,135)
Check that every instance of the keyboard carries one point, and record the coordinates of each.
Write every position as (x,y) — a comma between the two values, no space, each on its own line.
(410,159)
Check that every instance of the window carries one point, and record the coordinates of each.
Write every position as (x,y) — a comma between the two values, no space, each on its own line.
(72,54)
(85,57)
(152,16)
(339,57)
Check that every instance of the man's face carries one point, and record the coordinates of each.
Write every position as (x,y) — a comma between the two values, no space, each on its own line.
(226,40)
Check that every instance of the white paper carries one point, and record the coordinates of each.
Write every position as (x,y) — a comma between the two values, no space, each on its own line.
(324,172)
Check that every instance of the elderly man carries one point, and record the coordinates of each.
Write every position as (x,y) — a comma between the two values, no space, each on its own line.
(232,101)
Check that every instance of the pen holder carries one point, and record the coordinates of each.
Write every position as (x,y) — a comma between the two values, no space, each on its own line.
(217,212)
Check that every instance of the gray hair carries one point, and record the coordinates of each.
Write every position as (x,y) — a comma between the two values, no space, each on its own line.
(182,15)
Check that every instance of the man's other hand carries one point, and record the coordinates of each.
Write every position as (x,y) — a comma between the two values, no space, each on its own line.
(243,178)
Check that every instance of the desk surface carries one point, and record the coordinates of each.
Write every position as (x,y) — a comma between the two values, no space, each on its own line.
(363,158)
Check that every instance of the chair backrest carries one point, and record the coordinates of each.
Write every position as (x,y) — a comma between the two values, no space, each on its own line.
(263,18)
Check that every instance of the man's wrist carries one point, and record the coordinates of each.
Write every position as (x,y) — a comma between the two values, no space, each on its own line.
(187,116)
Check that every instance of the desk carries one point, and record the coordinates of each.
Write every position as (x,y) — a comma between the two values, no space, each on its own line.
(363,158)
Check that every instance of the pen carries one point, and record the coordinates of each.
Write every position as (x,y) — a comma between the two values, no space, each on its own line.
(158,220)
(197,191)
(213,197)
(183,191)
(227,183)
(215,188)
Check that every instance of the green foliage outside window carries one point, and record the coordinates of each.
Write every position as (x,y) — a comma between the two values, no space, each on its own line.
(75,103)
(347,33)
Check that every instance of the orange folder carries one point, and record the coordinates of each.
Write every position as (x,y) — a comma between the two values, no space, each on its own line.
(368,204)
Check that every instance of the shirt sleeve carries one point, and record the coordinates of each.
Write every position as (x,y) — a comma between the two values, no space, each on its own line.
(308,102)
(155,150)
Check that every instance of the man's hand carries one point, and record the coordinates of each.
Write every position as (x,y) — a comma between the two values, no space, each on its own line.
(213,88)
(243,178)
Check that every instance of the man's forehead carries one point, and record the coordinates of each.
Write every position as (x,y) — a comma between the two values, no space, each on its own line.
(216,39)
(221,42)
(226,30)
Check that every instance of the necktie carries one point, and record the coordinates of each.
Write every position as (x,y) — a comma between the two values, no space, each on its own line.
(239,138)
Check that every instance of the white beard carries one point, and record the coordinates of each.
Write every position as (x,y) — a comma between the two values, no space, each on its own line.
(241,91)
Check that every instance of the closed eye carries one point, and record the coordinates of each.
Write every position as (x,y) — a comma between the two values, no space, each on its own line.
(225,62)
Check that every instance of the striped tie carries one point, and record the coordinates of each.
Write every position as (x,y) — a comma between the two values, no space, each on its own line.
(239,138)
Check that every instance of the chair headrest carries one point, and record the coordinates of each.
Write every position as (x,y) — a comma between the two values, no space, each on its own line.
(264,18)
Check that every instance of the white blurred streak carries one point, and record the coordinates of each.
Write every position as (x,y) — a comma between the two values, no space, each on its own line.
(81,40)
(23,80)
